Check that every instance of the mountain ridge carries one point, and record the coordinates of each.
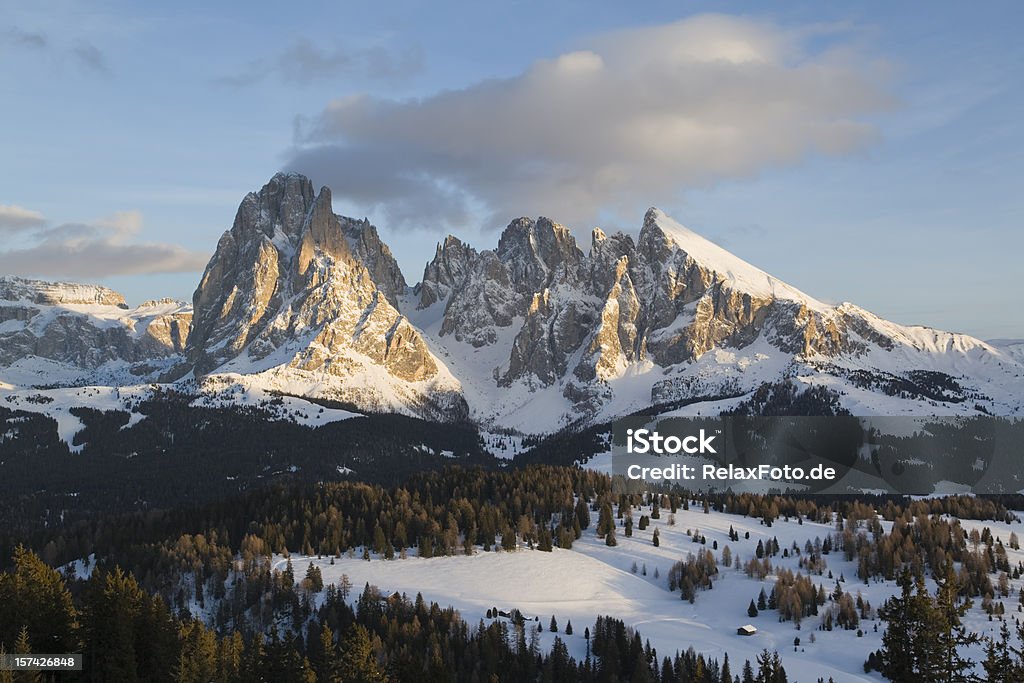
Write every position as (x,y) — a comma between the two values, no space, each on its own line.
(531,335)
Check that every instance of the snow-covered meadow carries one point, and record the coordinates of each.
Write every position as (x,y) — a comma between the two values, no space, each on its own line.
(593,579)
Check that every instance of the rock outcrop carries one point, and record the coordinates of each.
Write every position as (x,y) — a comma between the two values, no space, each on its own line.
(580,320)
(85,326)
(292,284)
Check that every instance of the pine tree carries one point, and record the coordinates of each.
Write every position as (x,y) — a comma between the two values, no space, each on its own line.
(950,634)
(327,664)
(751,610)
(230,653)
(6,676)
(605,521)
(156,640)
(923,635)
(314,578)
(656,538)
(197,662)
(999,666)
(358,661)
(34,595)
(553,626)
(113,606)
(22,646)
(725,676)
(582,513)
(748,673)
(897,654)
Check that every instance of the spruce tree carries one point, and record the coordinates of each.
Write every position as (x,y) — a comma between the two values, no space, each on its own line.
(34,595)
(358,661)
(326,663)
(725,676)
(605,521)
(950,633)
(748,673)
(999,666)
(896,654)
(197,662)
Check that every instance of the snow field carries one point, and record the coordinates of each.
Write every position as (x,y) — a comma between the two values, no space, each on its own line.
(593,579)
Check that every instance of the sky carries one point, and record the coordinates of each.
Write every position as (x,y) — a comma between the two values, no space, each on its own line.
(867,152)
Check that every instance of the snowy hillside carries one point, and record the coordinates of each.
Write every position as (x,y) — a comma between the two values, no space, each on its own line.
(592,579)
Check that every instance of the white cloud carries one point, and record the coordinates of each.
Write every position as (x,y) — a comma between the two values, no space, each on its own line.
(631,119)
(14,218)
(88,250)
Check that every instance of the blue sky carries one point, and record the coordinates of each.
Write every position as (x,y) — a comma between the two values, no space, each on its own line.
(868,153)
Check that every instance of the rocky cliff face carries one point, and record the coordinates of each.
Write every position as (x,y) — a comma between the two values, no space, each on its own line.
(57,293)
(293,285)
(85,326)
(578,318)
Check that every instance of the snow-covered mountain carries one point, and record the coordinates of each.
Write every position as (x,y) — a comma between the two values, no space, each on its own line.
(530,336)
(299,299)
(61,333)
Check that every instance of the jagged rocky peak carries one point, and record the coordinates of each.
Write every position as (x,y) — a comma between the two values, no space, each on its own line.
(241,282)
(372,252)
(316,295)
(581,320)
(321,235)
(538,252)
(449,267)
(261,262)
(281,204)
(609,258)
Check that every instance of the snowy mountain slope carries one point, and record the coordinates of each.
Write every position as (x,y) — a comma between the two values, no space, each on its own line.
(52,333)
(530,336)
(1014,347)
(565,336)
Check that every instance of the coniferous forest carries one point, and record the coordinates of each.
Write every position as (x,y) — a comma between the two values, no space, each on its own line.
(151,584)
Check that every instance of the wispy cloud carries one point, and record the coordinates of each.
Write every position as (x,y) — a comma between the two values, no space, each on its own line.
(16,37)
(99,248)
(83,53)
(304,62)
(90,57)
(633,118)
(14,218)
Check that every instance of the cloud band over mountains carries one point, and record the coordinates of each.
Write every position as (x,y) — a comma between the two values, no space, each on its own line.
(86,250)
(633,118)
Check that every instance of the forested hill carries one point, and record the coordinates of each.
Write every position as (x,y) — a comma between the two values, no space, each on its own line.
(180,454)
(205,586)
